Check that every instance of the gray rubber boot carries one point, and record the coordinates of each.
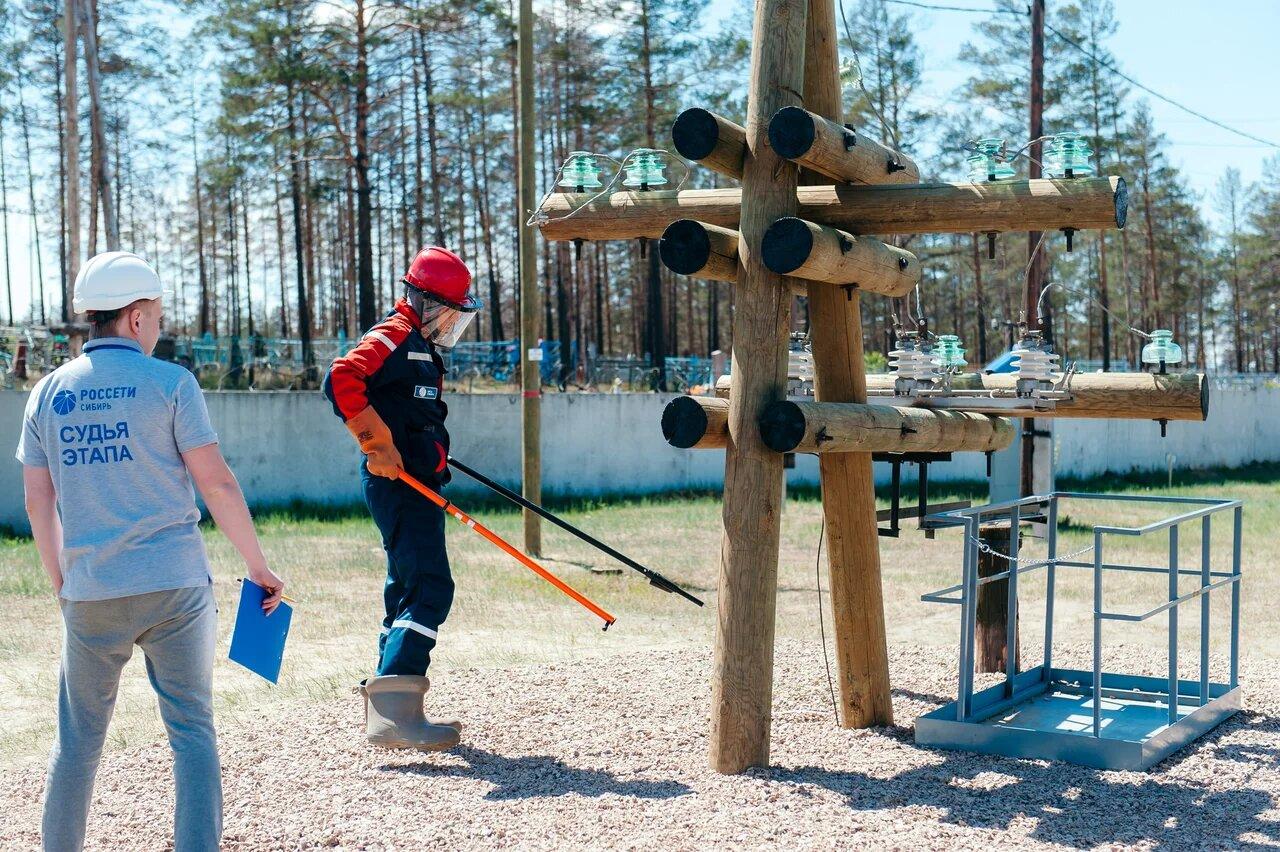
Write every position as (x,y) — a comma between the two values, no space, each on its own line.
(394,717)
(447,722)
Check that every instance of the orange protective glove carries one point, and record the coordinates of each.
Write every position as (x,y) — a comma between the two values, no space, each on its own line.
(375,442)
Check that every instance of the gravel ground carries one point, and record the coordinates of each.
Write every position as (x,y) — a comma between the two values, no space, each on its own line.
(611,752)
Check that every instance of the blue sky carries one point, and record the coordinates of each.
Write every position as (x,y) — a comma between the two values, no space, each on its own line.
(1218,58)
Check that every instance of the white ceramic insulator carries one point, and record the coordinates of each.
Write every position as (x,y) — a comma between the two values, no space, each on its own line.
(800,366)
(914,364)
(1036,365)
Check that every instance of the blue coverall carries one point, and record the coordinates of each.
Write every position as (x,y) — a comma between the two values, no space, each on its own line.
(398,372)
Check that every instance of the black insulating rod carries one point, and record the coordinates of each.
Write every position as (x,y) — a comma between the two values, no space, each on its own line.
(654,577)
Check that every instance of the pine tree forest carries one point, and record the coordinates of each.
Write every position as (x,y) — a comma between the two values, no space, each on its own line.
(280,162)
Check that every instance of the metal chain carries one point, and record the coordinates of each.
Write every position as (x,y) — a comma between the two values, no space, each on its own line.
(988,549)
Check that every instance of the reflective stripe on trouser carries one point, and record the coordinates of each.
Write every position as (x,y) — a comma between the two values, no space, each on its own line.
(419,589)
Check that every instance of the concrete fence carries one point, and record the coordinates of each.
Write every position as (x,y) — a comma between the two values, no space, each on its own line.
(288,446)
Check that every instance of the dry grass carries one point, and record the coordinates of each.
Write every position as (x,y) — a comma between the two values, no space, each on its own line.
(505,616)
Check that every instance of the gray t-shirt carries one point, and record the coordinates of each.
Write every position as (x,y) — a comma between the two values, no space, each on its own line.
(110,426)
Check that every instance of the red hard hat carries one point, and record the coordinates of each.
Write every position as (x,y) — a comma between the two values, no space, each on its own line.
(441,273)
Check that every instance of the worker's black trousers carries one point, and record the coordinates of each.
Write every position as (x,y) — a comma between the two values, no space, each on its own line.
(419,589)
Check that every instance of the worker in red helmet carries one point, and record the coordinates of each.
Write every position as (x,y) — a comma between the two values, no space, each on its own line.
(389,391)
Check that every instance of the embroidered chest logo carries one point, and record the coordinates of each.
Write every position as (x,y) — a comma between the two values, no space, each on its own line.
(426,392)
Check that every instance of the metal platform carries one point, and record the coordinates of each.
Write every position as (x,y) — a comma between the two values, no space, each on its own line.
(1101,719)
(1052,719)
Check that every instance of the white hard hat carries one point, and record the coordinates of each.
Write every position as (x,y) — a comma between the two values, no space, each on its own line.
(113,280)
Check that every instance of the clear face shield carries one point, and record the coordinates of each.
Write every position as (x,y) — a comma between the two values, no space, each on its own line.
(442,323)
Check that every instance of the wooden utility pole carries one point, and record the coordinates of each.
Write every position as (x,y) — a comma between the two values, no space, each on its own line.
(743,686)
(70,26)
(848,496)
(1037,265)
(530,369)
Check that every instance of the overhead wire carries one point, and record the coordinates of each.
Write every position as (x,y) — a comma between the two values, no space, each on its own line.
(1098,61)
(1123,76)
(822,626)
(853,48)
(1021,152)
(1106,310)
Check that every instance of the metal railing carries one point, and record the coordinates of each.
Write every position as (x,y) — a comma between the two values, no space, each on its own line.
(1018,688)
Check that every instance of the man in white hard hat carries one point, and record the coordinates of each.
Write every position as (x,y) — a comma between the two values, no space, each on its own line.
(111,443)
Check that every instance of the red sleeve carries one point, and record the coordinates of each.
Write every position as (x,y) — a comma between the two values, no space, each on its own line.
(349,376)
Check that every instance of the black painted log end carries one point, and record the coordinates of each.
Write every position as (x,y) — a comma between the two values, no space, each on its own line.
(695,133)
(684,422)
(786,245)
(782,426)
(791,132)
(685,247)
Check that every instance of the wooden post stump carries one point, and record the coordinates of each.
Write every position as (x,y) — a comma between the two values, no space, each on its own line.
(990,628)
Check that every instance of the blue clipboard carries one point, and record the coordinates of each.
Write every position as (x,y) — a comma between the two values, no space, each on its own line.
(257,641)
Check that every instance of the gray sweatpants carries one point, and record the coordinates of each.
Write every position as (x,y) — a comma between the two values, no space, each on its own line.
(177,631)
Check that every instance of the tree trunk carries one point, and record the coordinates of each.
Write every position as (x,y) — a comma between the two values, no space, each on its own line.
(657,343)
(428,91)
(1153,274)
(980,298)
(597,302)
(65,284)
(71,143)
(309,212)
(295,192)
(1237,298)
(248,254)
(348,242)
(280,262)
(100,157)
(419,201)
(31,193)
(562,316)
(1201,359)
(608,297)
(202,270)
(4,217)
(364,223)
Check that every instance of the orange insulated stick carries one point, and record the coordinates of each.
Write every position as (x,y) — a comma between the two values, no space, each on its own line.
(471,523)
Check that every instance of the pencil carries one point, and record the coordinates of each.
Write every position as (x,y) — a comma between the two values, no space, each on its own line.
(284,598)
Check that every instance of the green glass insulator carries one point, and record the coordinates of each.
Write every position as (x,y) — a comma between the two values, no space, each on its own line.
(1162,348)
(580,172)
(988,161)
(644,170)
(950,351)
(1068,155)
